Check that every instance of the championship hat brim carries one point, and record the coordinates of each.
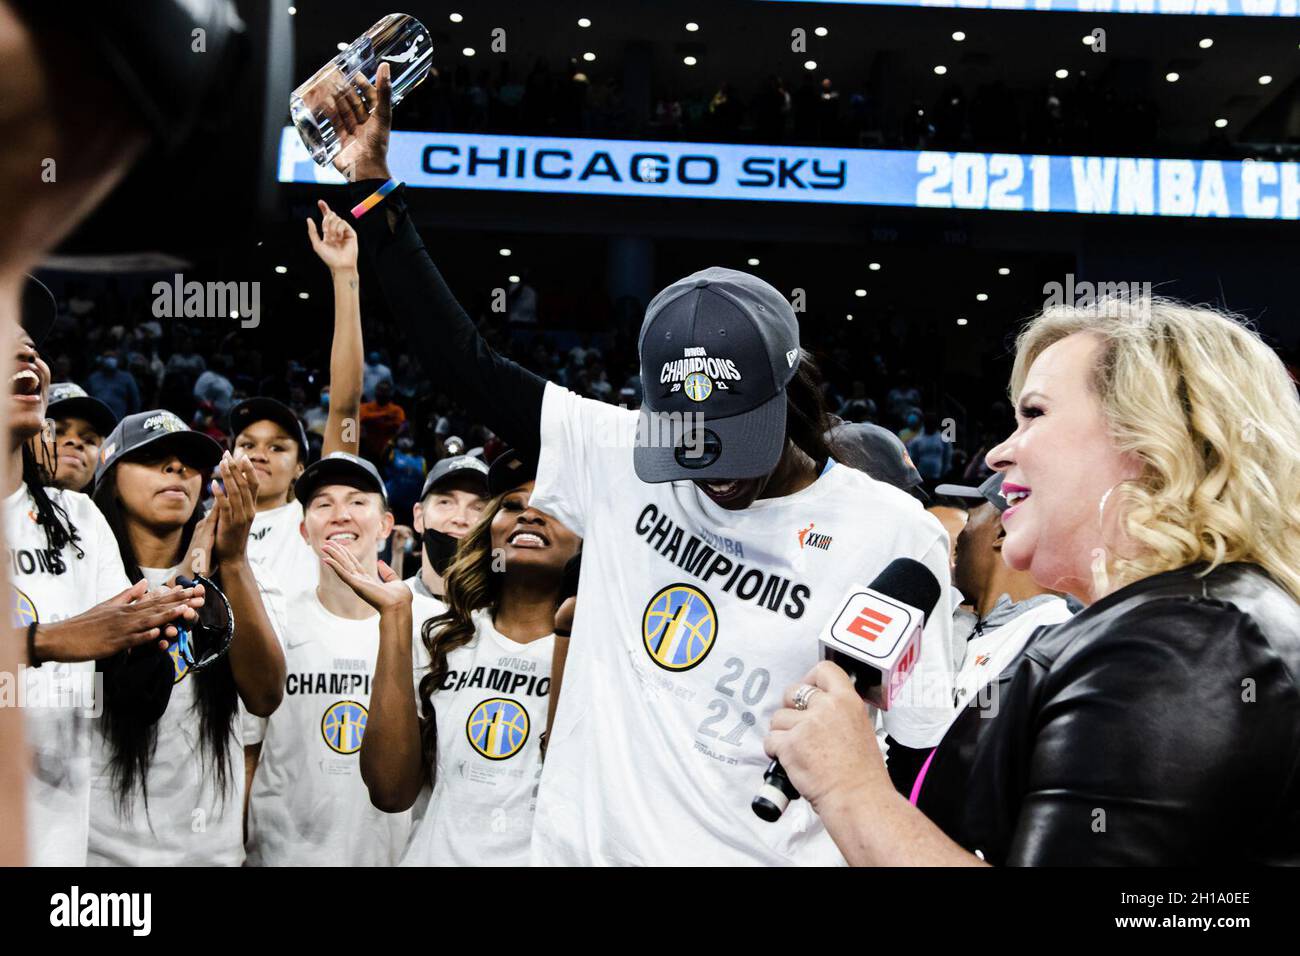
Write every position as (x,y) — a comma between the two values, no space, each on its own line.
(85,407)
(338,468)
(195,447)
(671,447)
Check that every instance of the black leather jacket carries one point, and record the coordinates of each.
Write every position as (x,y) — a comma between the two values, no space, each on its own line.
(1160,726)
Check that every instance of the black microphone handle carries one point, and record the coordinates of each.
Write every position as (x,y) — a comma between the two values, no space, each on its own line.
(775,794)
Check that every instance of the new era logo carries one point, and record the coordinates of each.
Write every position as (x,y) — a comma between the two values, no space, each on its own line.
(791,355)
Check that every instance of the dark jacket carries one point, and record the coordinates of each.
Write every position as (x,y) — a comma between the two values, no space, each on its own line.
(1160,726)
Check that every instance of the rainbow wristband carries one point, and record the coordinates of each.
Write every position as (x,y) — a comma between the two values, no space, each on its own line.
(374,199)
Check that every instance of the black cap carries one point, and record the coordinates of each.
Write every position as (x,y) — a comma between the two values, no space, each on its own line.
(722,345)
(339,468)
(875,450)
(466,467)
(990,491)
(509,471)
(158,426)
(39,309)
(259,409)
(69,400)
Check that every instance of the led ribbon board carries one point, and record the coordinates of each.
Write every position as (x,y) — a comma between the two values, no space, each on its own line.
(1220,8)
(1009,182)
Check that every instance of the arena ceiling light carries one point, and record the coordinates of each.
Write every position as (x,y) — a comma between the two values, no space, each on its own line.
(468,51)
(1004,271)
(1089,39)
(961,322)
(1220,123)
(692,27)
(303,295)
(958,36)
(455,17)
(873,266)
(584,22)
(343,45)
(981,297)
(1062,74)
(514,279)
(752,262)
(849,317)
(504,252)
(810,64)
(1171,77)
(821,31)
(860,293)
(589,57)
(282,269)
(940,70)
(1265,80)
(1206,43)
(689,60)
(293,11)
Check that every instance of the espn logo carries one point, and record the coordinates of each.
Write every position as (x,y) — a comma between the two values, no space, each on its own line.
(869,624)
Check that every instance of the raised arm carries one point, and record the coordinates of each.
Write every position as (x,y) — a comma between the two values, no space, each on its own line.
(499,393)
(336,244)
(256,659)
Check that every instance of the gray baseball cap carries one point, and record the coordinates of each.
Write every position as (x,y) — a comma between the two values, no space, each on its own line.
(69,400)
(157,427)
(718,349)
(875,450)
(990,491)
(339,468)
(457,466)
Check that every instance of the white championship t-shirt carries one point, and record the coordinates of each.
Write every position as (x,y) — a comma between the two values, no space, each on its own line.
(988,655)
(309,806)
(491,713)
(61,706)
(691,622)
(275,542)
(188,820)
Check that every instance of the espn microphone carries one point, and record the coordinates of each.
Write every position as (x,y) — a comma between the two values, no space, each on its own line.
(876,638)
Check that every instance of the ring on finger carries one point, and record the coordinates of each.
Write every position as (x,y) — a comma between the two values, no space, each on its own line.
(803,695)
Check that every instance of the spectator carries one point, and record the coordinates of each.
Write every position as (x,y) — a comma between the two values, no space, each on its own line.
(375,372)
(185,359)
(380,421)
(931,450)
(213,388)
(114,386)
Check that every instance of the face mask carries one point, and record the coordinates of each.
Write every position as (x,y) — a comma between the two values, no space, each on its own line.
(439,548)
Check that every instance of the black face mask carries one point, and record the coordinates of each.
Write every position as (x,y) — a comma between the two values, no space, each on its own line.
(439,548)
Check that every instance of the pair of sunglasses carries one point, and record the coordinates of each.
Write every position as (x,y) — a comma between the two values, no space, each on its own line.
(203,642)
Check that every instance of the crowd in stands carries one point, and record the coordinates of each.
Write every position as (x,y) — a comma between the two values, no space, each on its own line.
(1079,115)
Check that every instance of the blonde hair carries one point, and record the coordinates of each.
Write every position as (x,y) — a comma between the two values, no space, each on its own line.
(1214,418)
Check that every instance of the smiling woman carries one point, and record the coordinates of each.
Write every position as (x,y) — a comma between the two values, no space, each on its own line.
(1155,470)
(483,665)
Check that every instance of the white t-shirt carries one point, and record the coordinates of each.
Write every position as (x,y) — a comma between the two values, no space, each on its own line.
(988,655)
(62,705)
(692,621)
(491,715)
(309,806)
(275,543)
(189,820)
